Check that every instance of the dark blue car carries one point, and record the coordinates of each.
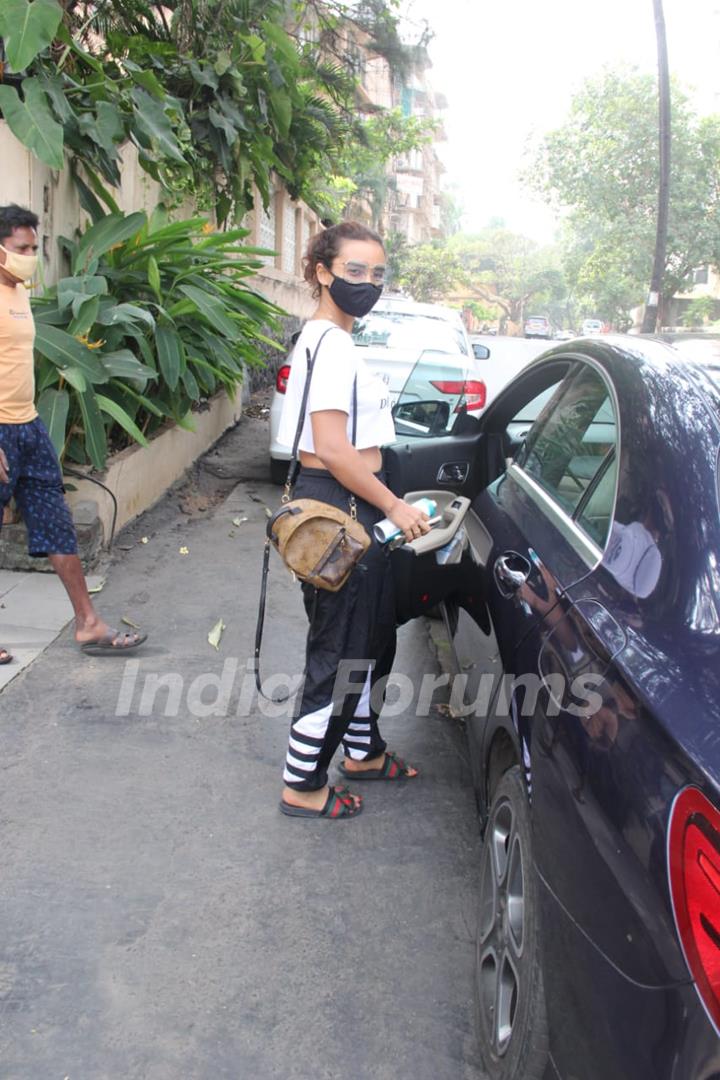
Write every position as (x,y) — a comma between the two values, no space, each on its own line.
(585,619)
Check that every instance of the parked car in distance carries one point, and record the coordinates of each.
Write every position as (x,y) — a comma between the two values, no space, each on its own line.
(564,335)
(585,621)
(390,340)
(592,326)
(538,326)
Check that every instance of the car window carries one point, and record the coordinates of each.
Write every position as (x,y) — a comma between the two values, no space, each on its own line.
(520,425)
(433,396)
(570,450)
(400,330)
(595,513)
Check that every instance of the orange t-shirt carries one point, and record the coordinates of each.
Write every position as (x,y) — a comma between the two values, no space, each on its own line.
(17,371)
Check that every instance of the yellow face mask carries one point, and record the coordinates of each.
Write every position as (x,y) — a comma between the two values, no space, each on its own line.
(21,267)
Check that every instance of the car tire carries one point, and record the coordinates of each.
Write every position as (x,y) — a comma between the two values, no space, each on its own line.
(510,999)
(278,470)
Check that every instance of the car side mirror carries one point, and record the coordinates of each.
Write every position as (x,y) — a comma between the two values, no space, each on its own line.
(423,418)
(481,352)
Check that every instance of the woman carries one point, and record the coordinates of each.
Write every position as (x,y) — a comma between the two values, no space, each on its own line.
(345,265)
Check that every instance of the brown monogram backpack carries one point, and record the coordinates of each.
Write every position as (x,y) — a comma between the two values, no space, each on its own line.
(318,543)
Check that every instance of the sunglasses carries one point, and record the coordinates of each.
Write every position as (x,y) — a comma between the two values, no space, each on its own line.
(356,272)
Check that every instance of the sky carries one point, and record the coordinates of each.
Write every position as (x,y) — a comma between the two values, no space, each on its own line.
(509,68)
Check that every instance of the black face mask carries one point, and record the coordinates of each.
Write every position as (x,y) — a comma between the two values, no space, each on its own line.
(357,299)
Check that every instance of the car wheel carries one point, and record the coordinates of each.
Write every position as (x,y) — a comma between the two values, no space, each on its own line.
(278,470)
(510,996)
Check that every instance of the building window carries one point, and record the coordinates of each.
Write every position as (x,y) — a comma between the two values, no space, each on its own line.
(266,233)
(700,277)
(305,233)
(288,239)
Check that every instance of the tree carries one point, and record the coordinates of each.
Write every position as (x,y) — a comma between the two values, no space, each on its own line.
(216,95)
(665,149)
(428,272)
(601,169)
(699,311)
(511,271)
(362,169)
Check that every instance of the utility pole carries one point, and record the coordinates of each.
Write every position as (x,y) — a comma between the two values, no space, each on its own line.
(649,325)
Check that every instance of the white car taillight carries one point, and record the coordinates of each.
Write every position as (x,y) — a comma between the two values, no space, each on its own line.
(282,379)
(694,871)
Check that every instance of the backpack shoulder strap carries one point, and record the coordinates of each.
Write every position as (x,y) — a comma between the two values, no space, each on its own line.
(293,466)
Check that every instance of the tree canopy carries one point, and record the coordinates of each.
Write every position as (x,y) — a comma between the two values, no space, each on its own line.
(215,94)
(511,271)
(600,170)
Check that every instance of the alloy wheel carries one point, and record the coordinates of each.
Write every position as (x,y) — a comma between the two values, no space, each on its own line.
(501,929)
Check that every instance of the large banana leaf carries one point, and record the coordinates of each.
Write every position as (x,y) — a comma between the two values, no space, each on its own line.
(170,354)
(172,321)
(27,29)
(53,406)
(100,238)
(95,436)
(64,351)
(74,291)
(129,313)
(118,414)
(75,378)
(212,309)
(32,122)
(124,364)
(153,121)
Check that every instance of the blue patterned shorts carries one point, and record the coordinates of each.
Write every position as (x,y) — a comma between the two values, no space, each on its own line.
(37,487)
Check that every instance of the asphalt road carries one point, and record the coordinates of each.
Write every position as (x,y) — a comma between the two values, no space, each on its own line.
(508,357)
(160,918)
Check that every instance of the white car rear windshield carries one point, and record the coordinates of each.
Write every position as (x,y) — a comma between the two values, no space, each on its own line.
(398,330)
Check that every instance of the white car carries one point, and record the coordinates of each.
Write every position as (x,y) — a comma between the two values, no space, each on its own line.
(391,339)
(591,327)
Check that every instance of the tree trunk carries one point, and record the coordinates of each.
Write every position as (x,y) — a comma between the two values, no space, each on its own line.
(651,308)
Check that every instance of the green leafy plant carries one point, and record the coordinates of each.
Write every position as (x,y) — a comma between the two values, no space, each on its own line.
(216,95)
(600,169)
(155,318)
(700,311)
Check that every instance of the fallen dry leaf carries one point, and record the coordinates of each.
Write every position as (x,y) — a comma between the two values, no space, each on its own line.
(239,520)
(129,622)
(216,633)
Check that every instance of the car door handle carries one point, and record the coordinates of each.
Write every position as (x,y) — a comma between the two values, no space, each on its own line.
(453,472)
(511,572)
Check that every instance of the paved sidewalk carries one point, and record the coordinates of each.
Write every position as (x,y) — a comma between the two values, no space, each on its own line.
(160,918)
(34,609)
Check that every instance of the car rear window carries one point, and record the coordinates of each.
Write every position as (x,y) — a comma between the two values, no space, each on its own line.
(401,330)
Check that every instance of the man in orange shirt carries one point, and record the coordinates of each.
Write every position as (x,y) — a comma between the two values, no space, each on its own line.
(29,468)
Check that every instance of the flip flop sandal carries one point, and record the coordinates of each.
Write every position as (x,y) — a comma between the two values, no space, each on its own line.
(337,806)
(392,768)
(6,657)
(103,646)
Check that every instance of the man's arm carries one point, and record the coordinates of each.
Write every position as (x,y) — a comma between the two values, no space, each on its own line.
(4,467)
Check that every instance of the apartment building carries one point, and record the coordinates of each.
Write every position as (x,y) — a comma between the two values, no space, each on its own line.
(412,197)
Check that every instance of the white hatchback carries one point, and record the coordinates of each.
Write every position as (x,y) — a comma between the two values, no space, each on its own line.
(392,338)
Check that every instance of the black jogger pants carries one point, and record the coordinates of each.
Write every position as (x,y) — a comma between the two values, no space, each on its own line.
(350,647)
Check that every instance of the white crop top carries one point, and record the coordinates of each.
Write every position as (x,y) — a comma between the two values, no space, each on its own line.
(336,365)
